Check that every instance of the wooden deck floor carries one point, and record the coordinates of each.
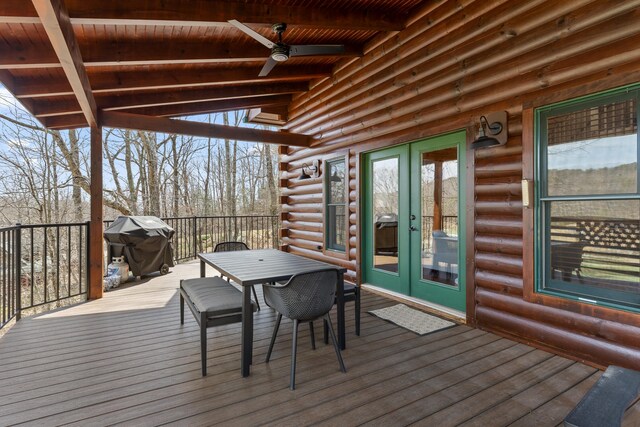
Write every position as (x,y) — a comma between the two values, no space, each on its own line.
(126,360)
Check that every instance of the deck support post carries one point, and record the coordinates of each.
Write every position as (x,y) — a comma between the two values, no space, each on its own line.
(96,256)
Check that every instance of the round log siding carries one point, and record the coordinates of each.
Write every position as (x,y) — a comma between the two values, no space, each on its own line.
(454,61)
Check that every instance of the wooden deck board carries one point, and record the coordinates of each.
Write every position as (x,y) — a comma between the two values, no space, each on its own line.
(268,406)
(553,412)
(125,359)
(374,350)
(217,382)
(425,397)
(495,387)
(151,376)
(511,409)
(325,404)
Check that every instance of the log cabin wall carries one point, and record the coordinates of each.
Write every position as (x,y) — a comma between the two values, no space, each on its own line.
(454,61)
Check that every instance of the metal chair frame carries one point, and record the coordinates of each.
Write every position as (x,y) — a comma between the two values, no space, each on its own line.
(304,298)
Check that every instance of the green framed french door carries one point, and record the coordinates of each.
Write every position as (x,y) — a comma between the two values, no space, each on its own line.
(413,219)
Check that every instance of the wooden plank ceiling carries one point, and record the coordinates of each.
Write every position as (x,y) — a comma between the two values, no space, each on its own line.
(70,61)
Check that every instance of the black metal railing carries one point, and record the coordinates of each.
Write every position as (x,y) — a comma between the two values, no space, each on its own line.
(9,275)
(194,234)
(258,232)
(185,237)
(45,266)
(42,265)
(54,264)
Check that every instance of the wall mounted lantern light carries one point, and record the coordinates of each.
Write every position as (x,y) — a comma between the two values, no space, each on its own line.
(495,124)
(310,171)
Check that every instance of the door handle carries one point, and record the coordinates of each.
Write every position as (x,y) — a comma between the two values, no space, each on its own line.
(412,217)
(412,228)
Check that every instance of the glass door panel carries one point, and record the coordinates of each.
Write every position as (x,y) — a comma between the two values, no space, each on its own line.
(437,219)
(385,220)
(385,214)
(439,198)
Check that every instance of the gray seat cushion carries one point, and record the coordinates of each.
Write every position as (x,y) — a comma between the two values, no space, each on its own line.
(349,288)
(213,295)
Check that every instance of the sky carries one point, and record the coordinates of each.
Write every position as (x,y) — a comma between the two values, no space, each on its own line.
(5,96)
(596,153)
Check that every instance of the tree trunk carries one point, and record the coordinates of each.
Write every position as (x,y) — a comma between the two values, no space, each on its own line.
(53,189)
(131,181)
(144,187)
(151,153)
(175,176)
(76,196)
(206,209)
(271,181)
(229,169)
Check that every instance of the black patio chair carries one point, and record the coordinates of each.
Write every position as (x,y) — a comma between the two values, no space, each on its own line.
(304,298)
(236,246)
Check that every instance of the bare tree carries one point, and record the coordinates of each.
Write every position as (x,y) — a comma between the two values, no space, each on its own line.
(46,173)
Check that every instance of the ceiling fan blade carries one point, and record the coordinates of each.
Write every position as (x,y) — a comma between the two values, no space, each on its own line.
(315,49)
(268,66)
(239,25)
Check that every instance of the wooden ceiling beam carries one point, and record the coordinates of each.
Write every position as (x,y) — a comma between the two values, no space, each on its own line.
(110,82)
(106,53)
(71,121)
(184,127)
(76,119)
(35,88)
(208,13)
(10,83)
(55,20)
(28,56)
(18,12)
(119,102)
(213,106)
(62,108)
(109,102)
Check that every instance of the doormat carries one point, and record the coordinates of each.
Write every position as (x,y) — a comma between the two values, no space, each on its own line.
(414,320)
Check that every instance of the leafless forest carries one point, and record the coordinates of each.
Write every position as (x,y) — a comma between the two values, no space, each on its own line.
(44,175)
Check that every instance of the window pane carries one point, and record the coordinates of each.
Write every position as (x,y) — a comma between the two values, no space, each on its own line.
(594,250)
(336,227)
(336,205)
(385,214)
(337,182)
(593,151)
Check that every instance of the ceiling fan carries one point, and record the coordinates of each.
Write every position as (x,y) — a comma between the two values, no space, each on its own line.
(280,51)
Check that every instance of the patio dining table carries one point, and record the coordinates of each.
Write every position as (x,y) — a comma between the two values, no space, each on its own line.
(254,267)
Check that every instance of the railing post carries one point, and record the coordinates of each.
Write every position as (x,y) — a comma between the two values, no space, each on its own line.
(18,260)
(195,232)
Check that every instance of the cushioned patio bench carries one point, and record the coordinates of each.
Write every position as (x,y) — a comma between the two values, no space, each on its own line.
(213,302)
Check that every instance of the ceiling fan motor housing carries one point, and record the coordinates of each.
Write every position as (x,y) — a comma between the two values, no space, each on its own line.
(279,28)
(280,52)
